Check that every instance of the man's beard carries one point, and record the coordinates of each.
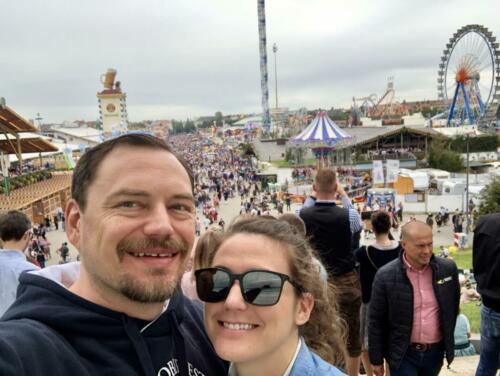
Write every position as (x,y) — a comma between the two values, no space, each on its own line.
(158,288)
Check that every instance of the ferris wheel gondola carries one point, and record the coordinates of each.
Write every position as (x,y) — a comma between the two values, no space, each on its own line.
(469,77)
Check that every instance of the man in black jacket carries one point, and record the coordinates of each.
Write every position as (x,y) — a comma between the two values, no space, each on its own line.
(413,308)
(118,312)
(486,261)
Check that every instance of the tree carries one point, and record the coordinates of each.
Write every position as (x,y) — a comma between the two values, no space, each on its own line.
(219,120)
(189,126)
(490,199)
(442,158)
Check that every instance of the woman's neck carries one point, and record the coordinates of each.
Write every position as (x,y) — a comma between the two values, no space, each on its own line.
(383,239)
(271,364)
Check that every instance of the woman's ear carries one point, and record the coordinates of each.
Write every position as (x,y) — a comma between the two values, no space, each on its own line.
(304,308)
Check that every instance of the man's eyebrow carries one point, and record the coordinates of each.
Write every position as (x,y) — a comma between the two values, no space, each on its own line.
(183,196)
(128,193)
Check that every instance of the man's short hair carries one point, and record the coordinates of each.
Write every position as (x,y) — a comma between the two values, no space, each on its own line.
(381,222)
(13,225)
(409,228)
(86,168)
(325,181)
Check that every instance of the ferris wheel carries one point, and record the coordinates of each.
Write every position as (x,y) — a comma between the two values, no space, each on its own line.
(469,77)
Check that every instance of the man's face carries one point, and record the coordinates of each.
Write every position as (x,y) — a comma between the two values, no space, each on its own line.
(418,246)
(138,225)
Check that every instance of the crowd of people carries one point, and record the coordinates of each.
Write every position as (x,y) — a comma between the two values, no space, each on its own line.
(285,295)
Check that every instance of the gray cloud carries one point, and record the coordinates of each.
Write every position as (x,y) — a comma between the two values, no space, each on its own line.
(186,58)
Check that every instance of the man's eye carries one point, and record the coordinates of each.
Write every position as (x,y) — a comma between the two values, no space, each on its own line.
(129,204)
(182,207)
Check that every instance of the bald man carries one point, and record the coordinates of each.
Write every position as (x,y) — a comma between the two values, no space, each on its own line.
(413,308)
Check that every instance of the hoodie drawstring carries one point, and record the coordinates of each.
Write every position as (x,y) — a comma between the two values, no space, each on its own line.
(139,346)
(180,348)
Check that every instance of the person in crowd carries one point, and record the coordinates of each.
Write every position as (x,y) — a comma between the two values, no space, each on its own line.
(468,293)
(413,308)
(443,251)
(371,259)
(399,212)
(486,264)
(64,253)
(55,219)
(279,318)
(131,218)
(429,221)
(40,250)
(330,230)
(16,234)
(463,346)
(202,258)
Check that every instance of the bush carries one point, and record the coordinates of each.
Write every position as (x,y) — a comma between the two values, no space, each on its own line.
(442,158)
(476,144)
(490,199)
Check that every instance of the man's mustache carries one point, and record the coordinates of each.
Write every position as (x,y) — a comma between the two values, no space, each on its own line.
(126,246)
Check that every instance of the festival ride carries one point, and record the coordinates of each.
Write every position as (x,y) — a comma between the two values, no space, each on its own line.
(469,77)
(322,136)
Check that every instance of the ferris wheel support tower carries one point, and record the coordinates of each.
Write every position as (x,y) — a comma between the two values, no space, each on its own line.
(261,9)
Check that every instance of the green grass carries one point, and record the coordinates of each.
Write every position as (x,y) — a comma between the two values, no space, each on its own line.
(463,258)
(472,311)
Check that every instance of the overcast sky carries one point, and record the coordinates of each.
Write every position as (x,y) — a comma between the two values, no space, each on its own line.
(186,58)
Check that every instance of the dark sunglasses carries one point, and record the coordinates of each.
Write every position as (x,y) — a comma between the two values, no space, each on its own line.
(258,287)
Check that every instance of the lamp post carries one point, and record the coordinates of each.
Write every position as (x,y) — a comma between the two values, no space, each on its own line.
(467,187)
(275,49)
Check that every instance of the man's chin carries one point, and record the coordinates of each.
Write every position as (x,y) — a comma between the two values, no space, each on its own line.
(157,291)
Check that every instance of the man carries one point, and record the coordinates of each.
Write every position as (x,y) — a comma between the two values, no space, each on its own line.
(413,308)
(16,233)
(131,217)
(486,263)
(330,229)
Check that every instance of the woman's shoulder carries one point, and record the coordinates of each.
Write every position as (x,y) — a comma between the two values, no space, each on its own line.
(309,363)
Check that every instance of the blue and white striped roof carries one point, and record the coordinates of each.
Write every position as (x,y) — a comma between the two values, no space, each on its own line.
(322,132)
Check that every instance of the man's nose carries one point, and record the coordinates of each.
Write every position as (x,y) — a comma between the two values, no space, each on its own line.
(158,223)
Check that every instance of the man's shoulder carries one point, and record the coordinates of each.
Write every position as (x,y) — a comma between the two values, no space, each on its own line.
(23,335)
(445,263)
(389,269)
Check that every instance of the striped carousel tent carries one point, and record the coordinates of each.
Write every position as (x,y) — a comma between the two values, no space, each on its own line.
(321,133)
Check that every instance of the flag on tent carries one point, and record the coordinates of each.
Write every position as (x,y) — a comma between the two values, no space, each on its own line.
(378,172)
(392,170)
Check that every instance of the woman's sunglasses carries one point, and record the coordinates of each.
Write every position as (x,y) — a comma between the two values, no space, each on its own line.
(258,287)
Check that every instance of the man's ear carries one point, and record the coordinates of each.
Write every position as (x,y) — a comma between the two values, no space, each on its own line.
(73,214)
(304,309)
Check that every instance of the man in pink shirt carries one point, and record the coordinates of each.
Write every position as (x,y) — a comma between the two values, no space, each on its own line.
(413,308)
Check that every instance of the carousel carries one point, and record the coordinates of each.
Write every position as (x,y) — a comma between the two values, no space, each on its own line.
(322,136)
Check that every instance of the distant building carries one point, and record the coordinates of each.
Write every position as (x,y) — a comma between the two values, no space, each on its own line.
(112,105)
(77,136)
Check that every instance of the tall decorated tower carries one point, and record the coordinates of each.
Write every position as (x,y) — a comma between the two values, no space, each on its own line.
(112,105)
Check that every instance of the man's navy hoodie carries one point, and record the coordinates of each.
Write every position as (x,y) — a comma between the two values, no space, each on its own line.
(51,331)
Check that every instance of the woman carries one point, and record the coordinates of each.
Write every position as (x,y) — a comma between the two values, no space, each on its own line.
(201,258)
(266,307)
(463,346)
(370,259)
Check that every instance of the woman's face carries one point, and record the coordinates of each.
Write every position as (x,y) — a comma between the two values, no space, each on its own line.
(242,332)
